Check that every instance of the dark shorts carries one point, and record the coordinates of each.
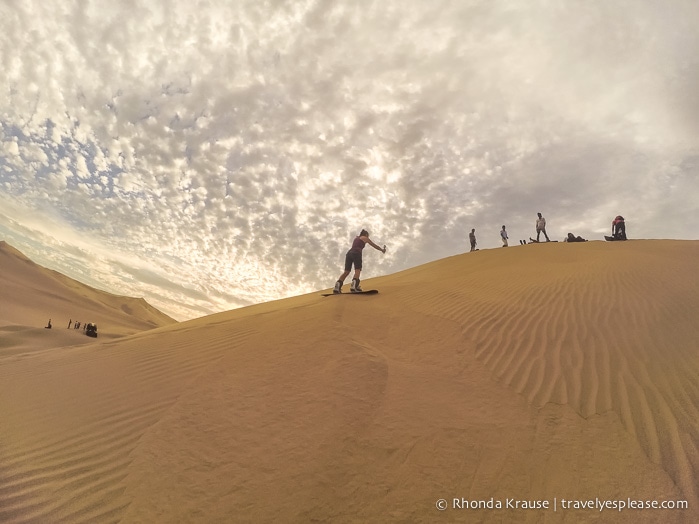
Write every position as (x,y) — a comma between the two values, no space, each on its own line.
(353,257)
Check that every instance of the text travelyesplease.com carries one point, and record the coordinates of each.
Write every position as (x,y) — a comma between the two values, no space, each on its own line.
(561,504)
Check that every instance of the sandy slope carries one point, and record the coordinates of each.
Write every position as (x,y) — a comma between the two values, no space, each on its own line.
(30,295)
(533,372)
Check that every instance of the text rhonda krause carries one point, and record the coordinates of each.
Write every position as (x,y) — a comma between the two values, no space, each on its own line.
(566,504)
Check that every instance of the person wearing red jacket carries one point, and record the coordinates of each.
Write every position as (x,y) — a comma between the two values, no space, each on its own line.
(619,228)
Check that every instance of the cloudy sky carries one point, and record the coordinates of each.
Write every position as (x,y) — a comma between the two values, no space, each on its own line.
(208,155)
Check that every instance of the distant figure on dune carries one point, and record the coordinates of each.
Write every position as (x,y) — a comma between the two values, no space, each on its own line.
(541,227)
(354,257)
(572,238)
(70,322)
(472,238)
(619,228)
(49,325)
(503,235)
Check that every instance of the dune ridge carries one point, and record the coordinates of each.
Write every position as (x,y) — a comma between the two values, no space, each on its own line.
(530,372)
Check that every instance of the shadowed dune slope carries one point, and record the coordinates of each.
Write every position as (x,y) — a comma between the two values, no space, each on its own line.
(536,372)
(30,295)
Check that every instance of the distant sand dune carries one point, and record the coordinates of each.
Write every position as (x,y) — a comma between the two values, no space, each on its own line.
(535,372)
(30,295)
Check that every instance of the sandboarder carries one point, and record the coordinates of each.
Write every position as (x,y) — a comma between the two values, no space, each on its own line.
(619,228)
(503,235)
(472,238)
(541,227)
(354,257)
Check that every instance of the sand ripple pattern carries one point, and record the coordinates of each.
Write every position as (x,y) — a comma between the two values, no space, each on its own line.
(72,472)
(617,334)
(521,371)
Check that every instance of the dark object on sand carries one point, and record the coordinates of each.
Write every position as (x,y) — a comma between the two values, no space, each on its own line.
(367,292)
(91,330)
(611,239)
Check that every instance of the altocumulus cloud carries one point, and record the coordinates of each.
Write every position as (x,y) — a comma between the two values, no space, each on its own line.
(208,155)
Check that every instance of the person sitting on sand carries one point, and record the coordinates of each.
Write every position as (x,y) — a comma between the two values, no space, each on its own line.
(354,257)
(572,238)
(49,325)
(619,228)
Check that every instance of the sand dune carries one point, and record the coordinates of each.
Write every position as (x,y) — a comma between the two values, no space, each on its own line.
(30,295)
(539,372)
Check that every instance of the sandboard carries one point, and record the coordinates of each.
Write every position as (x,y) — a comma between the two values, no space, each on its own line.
(612,239)
(367,292)
(532,241)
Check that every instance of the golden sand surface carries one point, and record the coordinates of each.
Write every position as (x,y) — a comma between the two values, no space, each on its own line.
(558,373)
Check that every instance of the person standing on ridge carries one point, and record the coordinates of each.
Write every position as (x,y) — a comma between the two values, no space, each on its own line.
(354,257)
(541,227)
(472,238)
(503,234)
